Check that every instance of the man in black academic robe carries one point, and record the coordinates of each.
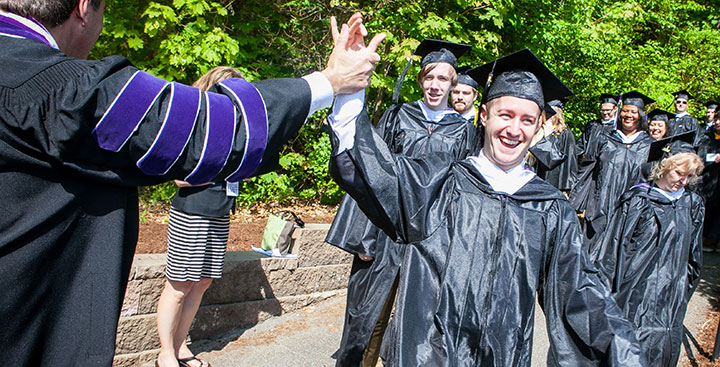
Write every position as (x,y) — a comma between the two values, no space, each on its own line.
(76,139)
(608,110)
(683,122)
(411,129)
(483,236)
(709,187)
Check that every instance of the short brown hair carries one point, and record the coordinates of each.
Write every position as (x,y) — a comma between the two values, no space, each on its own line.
(216,75)
(49,12)
(429,67)
(693,163)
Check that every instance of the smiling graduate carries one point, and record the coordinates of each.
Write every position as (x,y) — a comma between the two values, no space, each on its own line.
(484,237)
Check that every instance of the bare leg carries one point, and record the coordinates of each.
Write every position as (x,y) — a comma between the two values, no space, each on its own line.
(187,315)
(169,309)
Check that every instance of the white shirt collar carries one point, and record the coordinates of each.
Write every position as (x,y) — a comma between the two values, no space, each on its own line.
(607,122)
(628,139)
(33,26)
(509,181)
(432,115)
(470,115)
(681,114)
(672,196)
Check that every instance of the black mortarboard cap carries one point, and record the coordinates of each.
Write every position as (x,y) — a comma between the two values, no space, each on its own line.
(609,98)
(711,104)
(659,114)
(559,103)
(683,94)
(549,111)
(671,145)
(520,74)
(636,98)
(432,51)
(440,51)
(463,78)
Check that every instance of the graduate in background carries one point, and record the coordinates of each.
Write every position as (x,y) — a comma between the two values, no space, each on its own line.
(709,188)
(651,251)
(483,236)
(710,113)
(409,129)
(683,122)
(552,153)
(606,122)
(659,124)
(612,164)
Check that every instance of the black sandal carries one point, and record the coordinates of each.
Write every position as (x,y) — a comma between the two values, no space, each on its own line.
(184,362)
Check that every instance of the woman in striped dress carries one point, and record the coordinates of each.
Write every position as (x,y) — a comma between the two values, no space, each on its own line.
(197,238)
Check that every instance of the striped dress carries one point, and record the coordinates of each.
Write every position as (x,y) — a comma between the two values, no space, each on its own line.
(196,246)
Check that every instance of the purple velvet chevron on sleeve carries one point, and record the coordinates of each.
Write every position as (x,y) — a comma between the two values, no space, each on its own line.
(175,131)
(127,110)
(219,138)
(256,125)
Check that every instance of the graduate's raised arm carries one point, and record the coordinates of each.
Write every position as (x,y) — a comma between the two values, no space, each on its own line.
(351,62)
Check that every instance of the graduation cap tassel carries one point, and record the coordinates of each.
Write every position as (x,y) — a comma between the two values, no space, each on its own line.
(401,79)
(617,111)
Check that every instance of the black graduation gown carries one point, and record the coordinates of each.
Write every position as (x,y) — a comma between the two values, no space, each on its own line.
(679,125)
(475,260)
(609,168)
(709,187)
(69,220)
(556,160)
(405,131)
(591,131)
(651,254)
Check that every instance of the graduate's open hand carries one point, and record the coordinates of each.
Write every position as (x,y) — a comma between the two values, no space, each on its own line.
(351,62)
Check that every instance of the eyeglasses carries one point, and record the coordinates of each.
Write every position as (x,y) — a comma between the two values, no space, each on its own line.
(681,102)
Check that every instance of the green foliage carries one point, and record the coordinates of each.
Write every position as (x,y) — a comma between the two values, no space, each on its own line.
(654,46)
(162,193)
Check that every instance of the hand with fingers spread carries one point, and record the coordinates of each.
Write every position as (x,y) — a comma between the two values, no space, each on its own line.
(351,62)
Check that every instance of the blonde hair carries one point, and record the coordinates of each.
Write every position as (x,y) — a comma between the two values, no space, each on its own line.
(429,67)
(693,163)
(558,123)
(216,75)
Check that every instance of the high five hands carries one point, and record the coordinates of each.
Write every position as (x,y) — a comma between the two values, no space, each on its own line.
(351,62)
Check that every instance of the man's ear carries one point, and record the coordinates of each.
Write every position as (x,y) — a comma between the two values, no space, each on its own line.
(483,114)
(81,11)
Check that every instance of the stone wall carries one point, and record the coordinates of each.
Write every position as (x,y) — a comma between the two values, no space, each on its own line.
(253,288)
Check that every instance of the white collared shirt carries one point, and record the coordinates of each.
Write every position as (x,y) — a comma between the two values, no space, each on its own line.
(432,115)
(509,181)
(628,139)
(672,196)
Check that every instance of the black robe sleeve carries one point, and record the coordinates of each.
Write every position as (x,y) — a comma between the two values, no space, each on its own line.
(585,325)
(112,122)
(395,192)
(584,181)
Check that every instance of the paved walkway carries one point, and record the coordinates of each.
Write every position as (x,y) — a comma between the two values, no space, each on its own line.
(310,337)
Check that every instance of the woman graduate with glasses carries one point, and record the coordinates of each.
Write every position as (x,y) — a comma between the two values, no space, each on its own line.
(612,164)
(651,252)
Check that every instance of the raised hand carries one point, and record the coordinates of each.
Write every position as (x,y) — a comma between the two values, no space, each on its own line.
(351,62)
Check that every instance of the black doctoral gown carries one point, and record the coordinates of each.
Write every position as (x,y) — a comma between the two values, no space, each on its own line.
(709,187)
(609,168)
(405,131)
(651,254)
(591,131)
(475,260)
(556,160)
(69,220)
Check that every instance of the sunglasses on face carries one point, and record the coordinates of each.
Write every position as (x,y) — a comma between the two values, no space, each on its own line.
(680,102)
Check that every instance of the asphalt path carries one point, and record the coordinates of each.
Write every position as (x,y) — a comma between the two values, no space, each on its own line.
(310,337)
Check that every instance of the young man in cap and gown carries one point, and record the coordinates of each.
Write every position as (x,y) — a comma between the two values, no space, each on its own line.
(409,129)
(483,237)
